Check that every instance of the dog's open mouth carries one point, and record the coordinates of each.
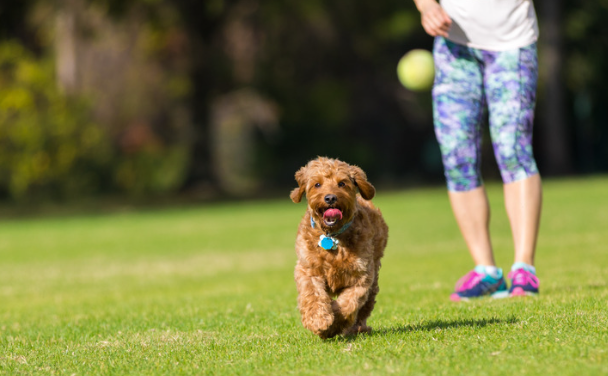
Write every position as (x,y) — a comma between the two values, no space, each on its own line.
(331,216)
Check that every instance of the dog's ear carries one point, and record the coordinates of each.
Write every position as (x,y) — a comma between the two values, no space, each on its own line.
(366,189)
(297,193)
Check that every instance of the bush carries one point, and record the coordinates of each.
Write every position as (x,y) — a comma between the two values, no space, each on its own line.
(52,146)
(49,145)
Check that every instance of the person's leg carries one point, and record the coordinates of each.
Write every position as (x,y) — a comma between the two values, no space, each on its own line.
(511,78)
(458,107)
(458,112)
(472,213)
(523,201)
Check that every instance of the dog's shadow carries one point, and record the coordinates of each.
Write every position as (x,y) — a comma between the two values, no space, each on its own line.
(432,325)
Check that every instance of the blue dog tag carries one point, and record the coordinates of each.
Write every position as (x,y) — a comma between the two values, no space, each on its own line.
(327,243)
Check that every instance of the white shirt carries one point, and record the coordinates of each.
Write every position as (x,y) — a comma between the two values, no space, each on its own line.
(495,25)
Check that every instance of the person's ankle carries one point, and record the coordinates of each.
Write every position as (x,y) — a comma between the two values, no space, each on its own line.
(490,270)
(524,266)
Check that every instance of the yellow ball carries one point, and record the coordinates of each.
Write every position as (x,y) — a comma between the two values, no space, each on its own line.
(416,70)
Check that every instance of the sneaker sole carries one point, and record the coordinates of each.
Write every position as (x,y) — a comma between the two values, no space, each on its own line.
(518,291)
(496,295)
(500,294)
(457,298)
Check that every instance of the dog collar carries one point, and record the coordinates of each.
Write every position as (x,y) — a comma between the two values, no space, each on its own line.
(329,241)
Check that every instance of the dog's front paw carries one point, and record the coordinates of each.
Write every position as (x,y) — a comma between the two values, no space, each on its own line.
(339,324)
(319,320)
(322,323)
(358,329)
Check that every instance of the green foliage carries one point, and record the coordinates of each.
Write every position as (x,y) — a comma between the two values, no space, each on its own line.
(48,143)
(152,170)
(54,145)
(210,290)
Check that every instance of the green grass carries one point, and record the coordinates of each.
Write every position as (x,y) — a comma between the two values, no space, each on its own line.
(209,290)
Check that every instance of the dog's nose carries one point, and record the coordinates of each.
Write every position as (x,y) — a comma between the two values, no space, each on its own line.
(331,199)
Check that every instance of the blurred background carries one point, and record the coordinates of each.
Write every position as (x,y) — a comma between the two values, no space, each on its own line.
(227,98)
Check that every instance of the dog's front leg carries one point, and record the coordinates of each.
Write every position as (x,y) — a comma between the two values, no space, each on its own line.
(314,302)
(346,307)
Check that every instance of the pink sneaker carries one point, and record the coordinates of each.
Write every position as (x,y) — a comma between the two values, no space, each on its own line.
(476,284)
(523,283)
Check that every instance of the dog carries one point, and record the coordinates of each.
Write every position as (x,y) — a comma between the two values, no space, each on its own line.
(339,244)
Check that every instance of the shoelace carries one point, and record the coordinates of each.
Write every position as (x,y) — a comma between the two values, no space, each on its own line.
(468,281)
(522,277)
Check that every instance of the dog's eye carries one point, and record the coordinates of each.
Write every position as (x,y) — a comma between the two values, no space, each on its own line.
(341,184)
(317,185)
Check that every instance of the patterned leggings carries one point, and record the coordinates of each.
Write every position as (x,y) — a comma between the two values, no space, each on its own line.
(467,82)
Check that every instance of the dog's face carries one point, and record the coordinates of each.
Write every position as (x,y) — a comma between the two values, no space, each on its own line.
(331,188)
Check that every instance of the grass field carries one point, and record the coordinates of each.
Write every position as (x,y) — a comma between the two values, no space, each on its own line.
(209,290)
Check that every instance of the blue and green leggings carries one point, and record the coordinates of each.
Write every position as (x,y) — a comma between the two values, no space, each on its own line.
(469,82)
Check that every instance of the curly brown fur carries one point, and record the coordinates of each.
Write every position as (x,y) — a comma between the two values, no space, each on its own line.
(349,273)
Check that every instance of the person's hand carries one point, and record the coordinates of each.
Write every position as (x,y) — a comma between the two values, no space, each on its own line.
(434,19)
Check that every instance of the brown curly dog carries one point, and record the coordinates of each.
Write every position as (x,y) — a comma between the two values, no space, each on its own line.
(340,241)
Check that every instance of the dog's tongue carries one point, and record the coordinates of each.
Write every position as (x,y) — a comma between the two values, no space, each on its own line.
(332,214)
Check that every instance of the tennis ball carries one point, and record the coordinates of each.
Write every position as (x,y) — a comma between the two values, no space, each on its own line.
(416,70)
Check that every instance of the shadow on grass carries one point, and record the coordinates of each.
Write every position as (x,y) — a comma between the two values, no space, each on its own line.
(443,324)
(431,325)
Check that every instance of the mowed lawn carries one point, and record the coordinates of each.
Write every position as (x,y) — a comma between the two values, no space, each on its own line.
(209,289)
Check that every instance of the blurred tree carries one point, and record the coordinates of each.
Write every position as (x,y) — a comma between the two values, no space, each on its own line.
(133,64)
(556,151)
(234,117)
(66,37)
(585,59)
(132,67)
(49,146)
